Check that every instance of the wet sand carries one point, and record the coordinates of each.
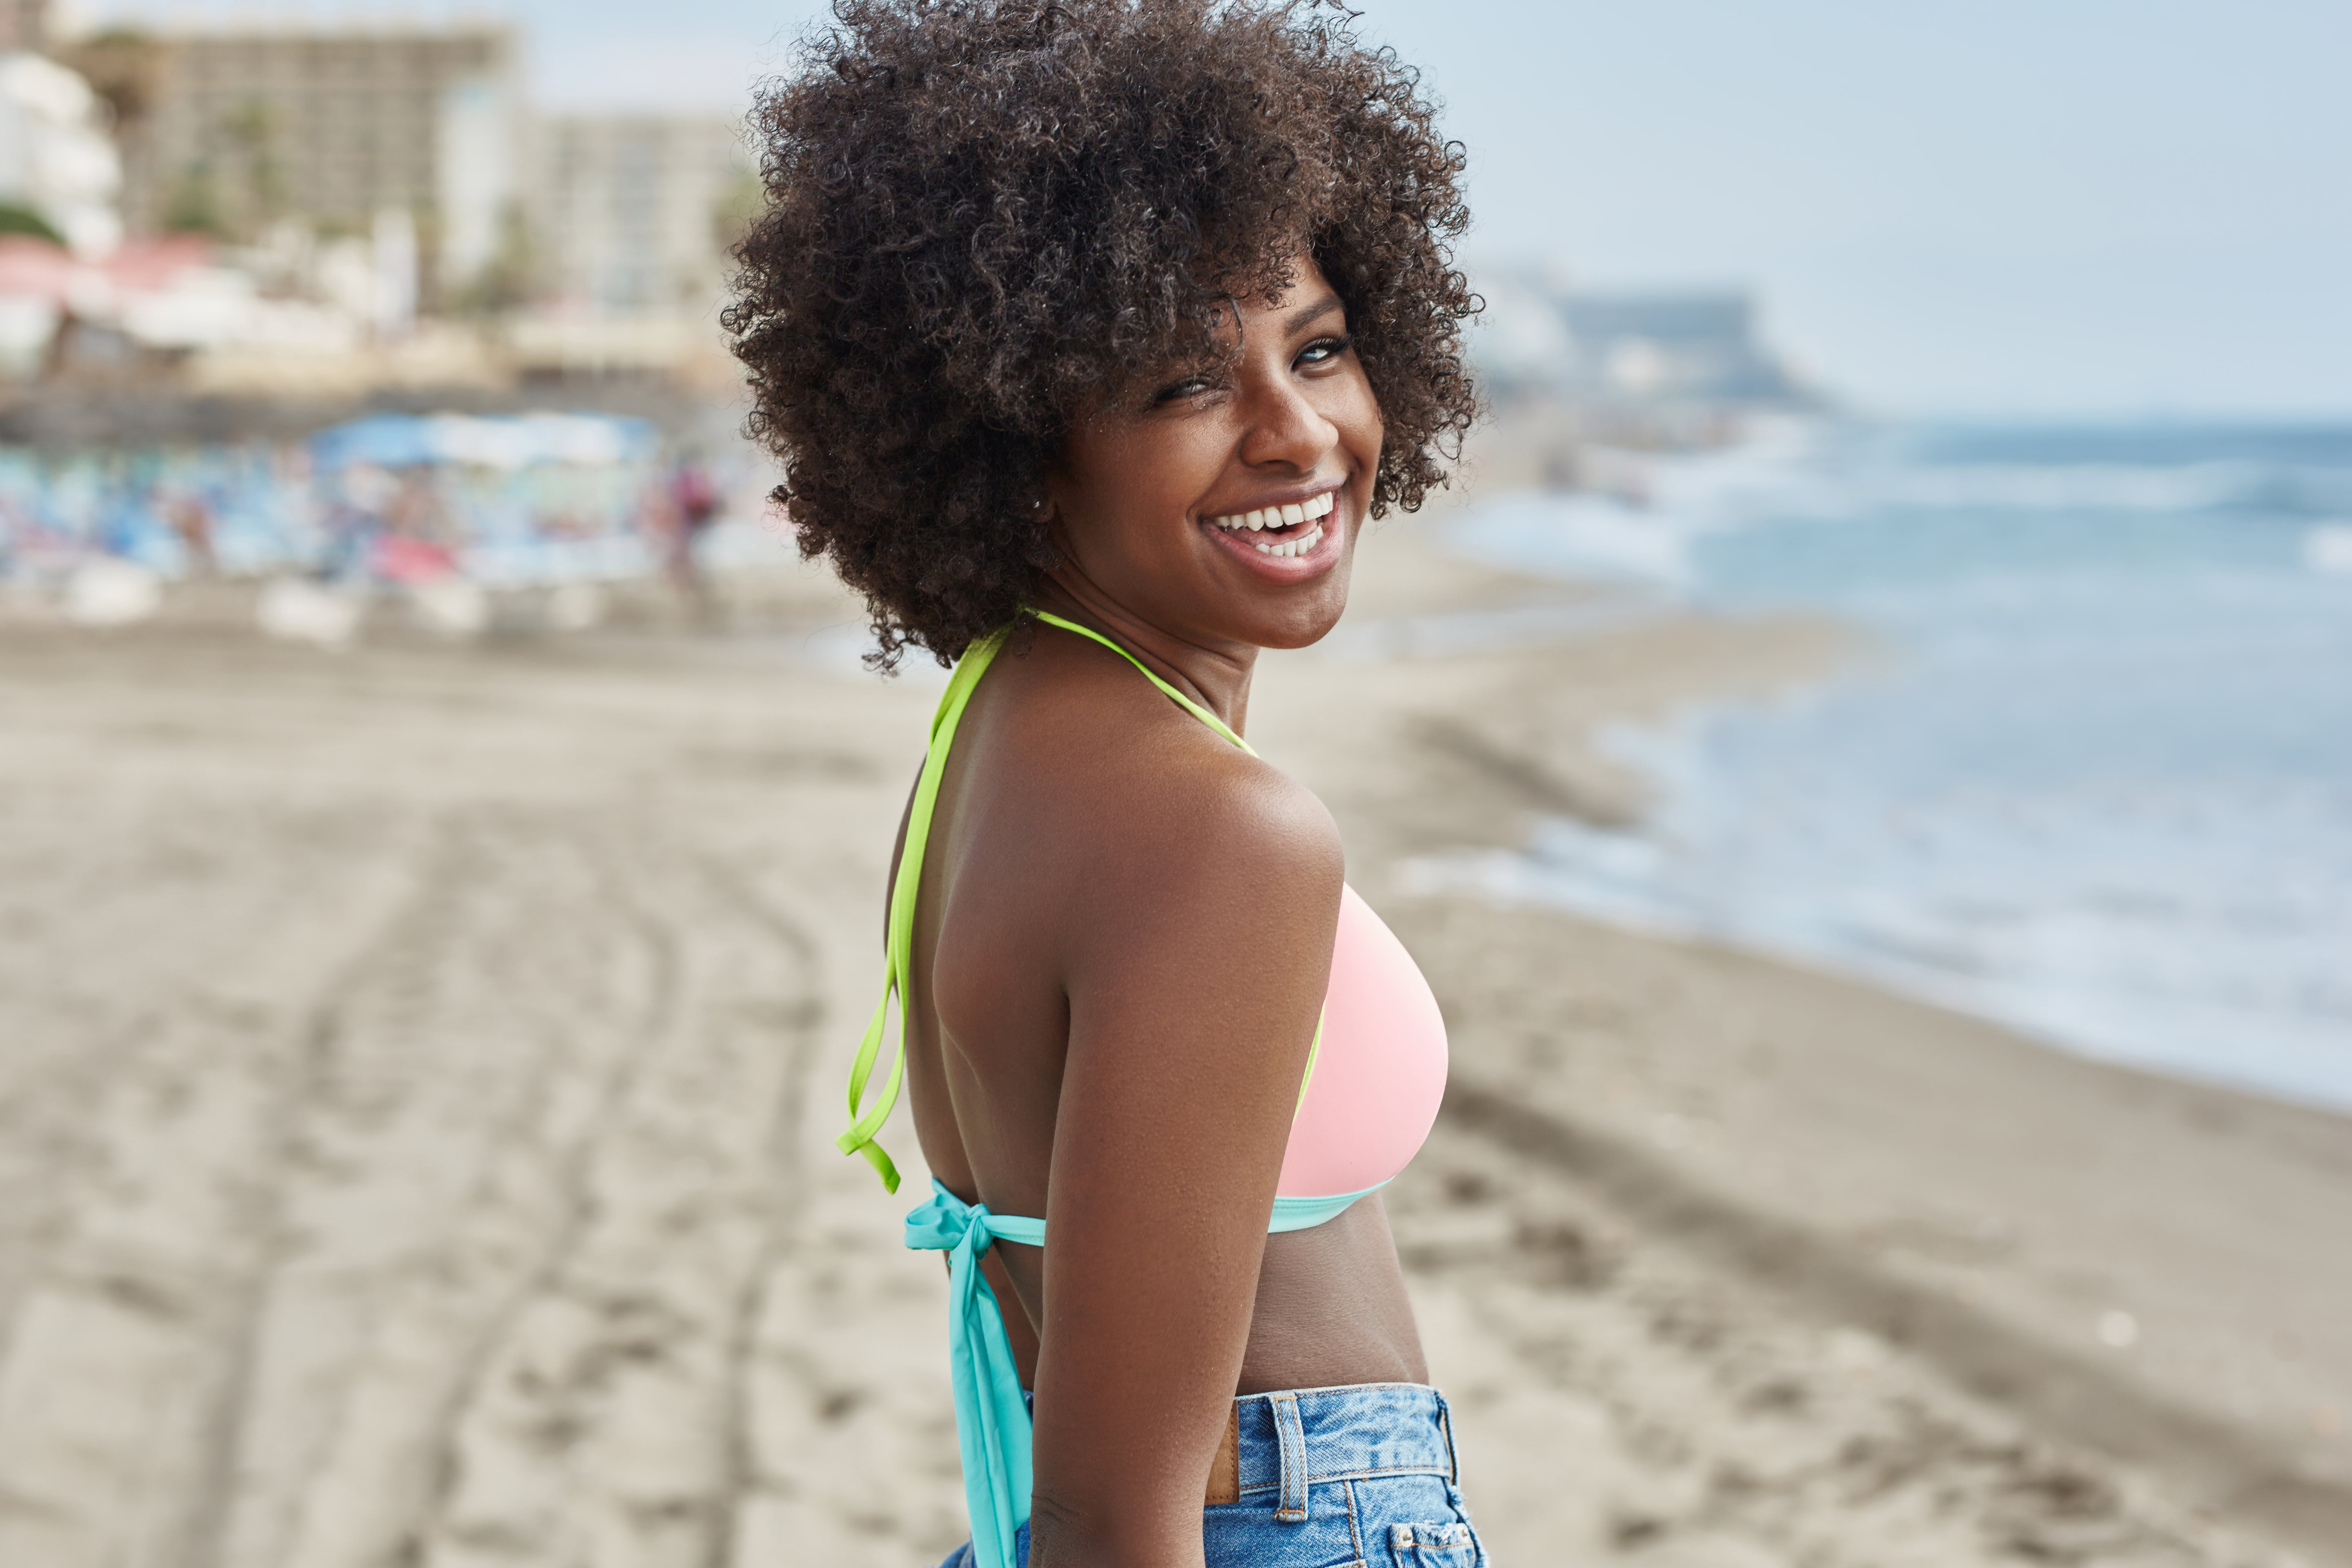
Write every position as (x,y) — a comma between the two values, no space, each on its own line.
(418,1067)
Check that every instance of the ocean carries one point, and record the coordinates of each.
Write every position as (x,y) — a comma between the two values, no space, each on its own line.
(2096,779)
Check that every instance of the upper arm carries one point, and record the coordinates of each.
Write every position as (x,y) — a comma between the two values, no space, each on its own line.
(1195,970)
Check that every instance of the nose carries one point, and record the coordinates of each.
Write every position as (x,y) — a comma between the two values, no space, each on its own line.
(1283,429)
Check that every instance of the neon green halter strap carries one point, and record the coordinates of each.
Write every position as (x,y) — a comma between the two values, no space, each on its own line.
(900,926)
(1186,703)
(866,1121)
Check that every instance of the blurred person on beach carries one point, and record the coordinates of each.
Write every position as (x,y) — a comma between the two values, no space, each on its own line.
(358,510)
(1092,334)
(191,522)
(687,508)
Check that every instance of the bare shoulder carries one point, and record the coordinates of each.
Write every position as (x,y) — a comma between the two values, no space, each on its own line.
(1223,805)
(1141,800)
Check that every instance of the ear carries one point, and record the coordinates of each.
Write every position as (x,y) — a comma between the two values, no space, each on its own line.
(1048,519)
(1044,509)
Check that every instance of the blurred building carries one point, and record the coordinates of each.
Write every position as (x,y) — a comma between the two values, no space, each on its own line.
(631,213)
(241,126)
(1694,346)
(630,219)
(1698,348)
(363,183)
(58,172)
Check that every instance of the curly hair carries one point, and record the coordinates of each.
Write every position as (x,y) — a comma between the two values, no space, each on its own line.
(984,216)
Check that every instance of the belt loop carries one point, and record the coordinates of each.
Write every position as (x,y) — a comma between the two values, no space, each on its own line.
(1225,1470)
(1445,1425)
(1292,1436)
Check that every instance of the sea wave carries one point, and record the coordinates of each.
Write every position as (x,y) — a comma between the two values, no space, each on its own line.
(2101,785)
(2328,548)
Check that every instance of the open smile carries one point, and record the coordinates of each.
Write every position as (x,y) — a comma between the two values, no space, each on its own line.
(1284,530)
(1289,542)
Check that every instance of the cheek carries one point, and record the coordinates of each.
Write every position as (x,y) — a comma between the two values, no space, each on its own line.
(1155,483)
(1128,499)
(1361,428)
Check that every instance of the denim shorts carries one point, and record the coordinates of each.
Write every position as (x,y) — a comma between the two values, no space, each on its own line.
(1336,1477)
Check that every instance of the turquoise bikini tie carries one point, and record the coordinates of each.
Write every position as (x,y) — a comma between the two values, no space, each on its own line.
(991,1418)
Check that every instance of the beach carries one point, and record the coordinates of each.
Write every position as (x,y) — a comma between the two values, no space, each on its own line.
(418,1067)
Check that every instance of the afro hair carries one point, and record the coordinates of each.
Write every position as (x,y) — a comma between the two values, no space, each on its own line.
(984,216)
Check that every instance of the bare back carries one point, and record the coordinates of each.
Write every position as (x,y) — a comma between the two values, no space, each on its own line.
(1094,857)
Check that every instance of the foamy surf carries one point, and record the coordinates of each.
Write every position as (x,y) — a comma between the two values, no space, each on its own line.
(2099,792)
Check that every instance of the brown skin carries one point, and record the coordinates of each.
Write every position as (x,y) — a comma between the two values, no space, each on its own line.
(1122,949)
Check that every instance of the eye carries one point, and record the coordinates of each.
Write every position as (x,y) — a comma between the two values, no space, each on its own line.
(1176,391)
(1323,350)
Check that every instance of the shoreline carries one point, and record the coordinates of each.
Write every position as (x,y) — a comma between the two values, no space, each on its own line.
(2078,797)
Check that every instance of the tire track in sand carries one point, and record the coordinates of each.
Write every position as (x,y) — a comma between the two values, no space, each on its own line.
(607,1424)
(456,1265)
(432,1178)
(1702,1424)
(120,1350)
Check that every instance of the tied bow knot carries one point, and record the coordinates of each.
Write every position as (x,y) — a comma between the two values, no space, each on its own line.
(991,1417)
(944,1224)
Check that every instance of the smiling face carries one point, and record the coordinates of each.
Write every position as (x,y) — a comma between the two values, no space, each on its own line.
(1221,507)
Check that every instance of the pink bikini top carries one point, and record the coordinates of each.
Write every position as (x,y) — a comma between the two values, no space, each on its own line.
(1377,1069)
(1377,1075)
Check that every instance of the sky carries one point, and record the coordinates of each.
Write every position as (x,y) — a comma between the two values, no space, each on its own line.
(2078,208)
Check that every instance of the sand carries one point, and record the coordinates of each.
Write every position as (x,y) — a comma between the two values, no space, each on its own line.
(418,1065)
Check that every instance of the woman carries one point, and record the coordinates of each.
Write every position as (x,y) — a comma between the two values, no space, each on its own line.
(1091,335)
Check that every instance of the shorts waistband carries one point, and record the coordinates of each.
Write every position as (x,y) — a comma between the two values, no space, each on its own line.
(1278,1445)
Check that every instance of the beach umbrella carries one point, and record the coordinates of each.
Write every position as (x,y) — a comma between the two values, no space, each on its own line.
(386,440)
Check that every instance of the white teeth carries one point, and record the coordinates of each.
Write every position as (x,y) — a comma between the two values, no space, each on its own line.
(1278,516)
(1298,546)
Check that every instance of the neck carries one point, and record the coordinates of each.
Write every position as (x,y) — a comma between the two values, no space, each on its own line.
(1216,675)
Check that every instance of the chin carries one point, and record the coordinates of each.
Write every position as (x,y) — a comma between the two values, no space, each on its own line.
(1308,618)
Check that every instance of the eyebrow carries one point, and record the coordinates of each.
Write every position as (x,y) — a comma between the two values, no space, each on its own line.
(1306,313)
